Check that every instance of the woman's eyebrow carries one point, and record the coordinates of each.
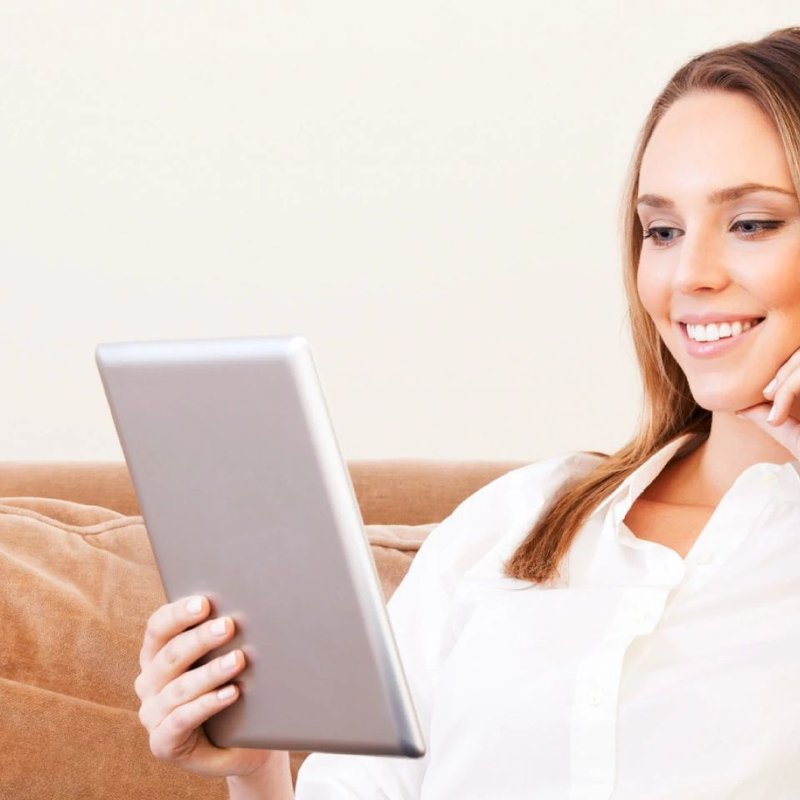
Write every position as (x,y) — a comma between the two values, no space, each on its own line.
(717,197)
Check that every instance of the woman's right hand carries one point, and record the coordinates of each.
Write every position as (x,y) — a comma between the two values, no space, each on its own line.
(176,700)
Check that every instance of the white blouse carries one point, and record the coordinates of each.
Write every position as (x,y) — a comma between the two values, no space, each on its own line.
(640,675)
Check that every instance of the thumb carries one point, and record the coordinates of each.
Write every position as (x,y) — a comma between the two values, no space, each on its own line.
(757,414)
(786,434)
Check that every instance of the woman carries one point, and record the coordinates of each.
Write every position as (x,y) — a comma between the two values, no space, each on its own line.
(626,625)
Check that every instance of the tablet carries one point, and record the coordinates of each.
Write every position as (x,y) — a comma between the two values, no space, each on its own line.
(246,499)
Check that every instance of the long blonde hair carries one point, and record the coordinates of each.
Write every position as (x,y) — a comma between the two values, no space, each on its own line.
(767,71)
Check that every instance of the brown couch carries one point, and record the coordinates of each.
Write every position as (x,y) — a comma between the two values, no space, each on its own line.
(77,584)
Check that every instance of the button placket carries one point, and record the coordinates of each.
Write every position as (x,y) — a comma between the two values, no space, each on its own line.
(596,698)
(593,723)
(639,612)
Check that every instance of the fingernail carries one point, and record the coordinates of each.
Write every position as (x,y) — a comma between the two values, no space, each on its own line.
(770,386)
(218,626)
(771,414)
(195,605)
(229,661)
(224,694)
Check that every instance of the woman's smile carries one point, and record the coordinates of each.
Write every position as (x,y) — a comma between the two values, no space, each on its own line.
(718,347)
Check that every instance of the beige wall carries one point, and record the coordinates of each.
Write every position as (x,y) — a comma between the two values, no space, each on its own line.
(427,190)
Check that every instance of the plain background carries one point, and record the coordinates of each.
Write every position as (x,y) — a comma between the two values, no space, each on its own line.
(428,191)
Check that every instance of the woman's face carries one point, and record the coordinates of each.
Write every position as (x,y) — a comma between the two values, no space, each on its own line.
(737,256)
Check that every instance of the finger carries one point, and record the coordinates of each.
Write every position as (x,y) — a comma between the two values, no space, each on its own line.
(189,686)
(180,653)
(791,365)
(168,621)
(178,731)
(787,434)
(784,398)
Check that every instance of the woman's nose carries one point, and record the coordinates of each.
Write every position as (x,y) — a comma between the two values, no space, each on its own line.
(700,263)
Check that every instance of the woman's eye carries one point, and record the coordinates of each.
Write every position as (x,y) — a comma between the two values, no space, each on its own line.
(749,227)
(655,233)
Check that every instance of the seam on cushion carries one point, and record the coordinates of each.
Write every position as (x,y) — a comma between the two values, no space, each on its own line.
(22,502)
(119,525)
(91,530)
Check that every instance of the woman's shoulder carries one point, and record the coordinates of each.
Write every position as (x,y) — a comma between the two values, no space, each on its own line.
(547,474)
(525,485)
(507,505)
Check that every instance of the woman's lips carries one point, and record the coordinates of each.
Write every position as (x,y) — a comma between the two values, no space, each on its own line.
(718,348)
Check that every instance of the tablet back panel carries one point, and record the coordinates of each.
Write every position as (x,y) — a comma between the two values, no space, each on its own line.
(247,500)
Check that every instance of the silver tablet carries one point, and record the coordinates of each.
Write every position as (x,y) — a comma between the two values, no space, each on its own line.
(247,500)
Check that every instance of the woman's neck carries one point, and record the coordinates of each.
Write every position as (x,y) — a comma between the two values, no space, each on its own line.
(704,475)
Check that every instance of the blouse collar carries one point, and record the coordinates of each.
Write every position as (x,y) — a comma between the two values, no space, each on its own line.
(781,478)
(772,481)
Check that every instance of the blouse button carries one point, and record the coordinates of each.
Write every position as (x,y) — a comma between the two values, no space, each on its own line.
(705,557)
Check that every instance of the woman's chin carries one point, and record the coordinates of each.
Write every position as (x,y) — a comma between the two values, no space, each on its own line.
(731,402)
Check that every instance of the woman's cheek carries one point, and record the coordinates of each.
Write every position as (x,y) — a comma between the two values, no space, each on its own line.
(653,295)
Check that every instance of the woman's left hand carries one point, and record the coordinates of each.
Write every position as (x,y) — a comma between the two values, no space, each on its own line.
(783,392)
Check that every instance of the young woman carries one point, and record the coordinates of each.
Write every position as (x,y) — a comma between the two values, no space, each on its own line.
(601,626)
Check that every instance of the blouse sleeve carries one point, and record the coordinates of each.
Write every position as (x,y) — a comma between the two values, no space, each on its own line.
(418,611)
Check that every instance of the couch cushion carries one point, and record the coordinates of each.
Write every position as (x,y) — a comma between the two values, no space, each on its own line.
(77,585)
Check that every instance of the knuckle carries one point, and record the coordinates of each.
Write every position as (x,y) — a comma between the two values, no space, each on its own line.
(179,690)
(158,747)
(143,715)
(178,719)
(171,653)
(216,670)
(153,623)
(138,686)
(151,641)
(201,636)
(149,636)
(177,610)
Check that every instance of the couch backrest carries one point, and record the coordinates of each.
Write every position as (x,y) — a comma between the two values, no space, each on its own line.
(389,491)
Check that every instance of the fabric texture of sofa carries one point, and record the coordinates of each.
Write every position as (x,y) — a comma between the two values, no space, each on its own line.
(78,582)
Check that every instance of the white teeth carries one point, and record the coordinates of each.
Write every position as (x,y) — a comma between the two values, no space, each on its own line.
(714,331)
